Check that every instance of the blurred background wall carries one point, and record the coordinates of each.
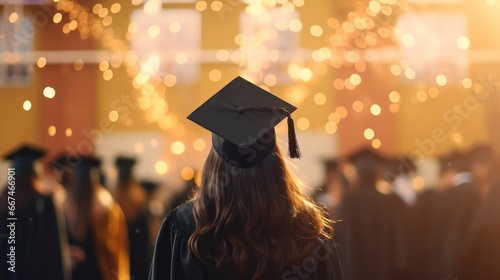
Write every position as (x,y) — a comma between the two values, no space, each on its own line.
(417,77)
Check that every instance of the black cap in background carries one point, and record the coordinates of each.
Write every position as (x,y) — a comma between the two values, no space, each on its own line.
(124,165)
(23,156)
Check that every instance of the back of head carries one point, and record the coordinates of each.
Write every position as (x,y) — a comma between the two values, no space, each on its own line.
(253,222)
(80,194)
(367,164)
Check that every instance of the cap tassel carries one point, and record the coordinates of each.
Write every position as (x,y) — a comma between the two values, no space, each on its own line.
(293,145)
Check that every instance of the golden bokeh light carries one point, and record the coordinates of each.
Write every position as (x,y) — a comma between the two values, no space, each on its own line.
(68,132)
(216,5)
(331,128)
(177,147)
(369,134)
(467,83)
(295,25)
(161,167)
(316,30)
(51,130)
(79,64)
(376,143)
(41,62)
(441,80)
(199,145)
(103,65)
(113,116)
(410,73)
(115,8)
(396,70)
(355,79)
(463,42)
(375,109)
(27,105)
(320,98)
(433,92)
(154,31)
(303,123)
(270,80)
(107,75)
(341,111)
(422,95)
(13,17)
(394,97)
(187,173)
(57,18)
(201,6)
(181,57)
(170,80)
(49,92)
(215,75)
(174,27)
(358,106)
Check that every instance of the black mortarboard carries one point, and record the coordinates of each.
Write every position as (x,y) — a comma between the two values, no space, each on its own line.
(149,186)
(83,168)
(242,117)
(458,161)
(23,156)
(481,153)
(330,164)
(124,165)
(365,155)
(366,161)
(123,161)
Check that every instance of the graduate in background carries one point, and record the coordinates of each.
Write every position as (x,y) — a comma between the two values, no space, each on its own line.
(405,214)
(331,192)
(41,249)
(97,227)
(480,254)
(155,212)
(250,219)
(133,200)
(365,233)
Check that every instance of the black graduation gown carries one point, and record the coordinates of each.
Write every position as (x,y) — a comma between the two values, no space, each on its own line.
(453,213)
(366,236)
(481,255)
(172,259)
(38,253)
(139,247)
(89,269)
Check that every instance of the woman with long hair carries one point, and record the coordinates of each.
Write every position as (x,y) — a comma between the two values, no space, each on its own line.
(250,219)
(97,229)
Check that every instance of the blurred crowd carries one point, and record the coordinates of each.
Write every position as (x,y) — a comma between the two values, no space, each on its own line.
(386,229)
(70,224)
(82,228)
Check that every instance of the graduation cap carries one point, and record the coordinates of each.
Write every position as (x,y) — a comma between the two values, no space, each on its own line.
(242,117)
(457,160)
(124,165)
(87,163)
(149,186)
(365,155)
(481,153)
(23,156)
(366,161)
(330,164)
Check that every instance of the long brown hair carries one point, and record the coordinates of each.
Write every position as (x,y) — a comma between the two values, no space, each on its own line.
(79,200)
(254,223)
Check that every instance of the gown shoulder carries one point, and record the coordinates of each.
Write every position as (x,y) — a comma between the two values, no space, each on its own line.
(173,259)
